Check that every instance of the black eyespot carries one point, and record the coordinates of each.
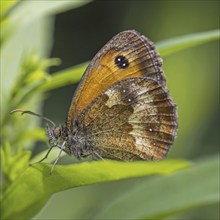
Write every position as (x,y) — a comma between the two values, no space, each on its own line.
(121,62)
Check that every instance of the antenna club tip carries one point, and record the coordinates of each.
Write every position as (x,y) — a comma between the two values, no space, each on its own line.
(18,110)
(32,113)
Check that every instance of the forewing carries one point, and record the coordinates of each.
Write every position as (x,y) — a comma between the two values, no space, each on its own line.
(103,72)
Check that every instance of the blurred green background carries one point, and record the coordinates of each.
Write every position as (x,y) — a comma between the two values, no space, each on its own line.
(192,75)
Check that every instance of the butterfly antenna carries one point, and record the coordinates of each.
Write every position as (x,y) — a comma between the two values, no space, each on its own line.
(32,113)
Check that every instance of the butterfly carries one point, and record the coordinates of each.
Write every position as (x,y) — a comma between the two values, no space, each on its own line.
(121,109)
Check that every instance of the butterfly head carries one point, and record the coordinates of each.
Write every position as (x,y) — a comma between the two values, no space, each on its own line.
(56,135)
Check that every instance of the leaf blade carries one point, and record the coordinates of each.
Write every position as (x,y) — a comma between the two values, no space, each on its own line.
(175,194)
(173,45)
(38,185)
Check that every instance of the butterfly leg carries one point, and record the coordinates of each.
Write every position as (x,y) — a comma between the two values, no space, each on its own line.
(97,156)
(45,157)
(55,162)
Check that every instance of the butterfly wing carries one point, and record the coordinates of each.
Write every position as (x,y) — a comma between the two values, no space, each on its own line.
(105,69)
(133,119)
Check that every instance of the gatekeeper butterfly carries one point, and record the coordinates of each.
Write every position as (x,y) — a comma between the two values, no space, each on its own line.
(121,109)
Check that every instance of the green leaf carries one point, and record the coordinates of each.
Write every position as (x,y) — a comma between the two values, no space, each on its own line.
(22,92)
(13,164)
(28,194)
(162,197)
(6,6)
(65,77)
(173,45)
